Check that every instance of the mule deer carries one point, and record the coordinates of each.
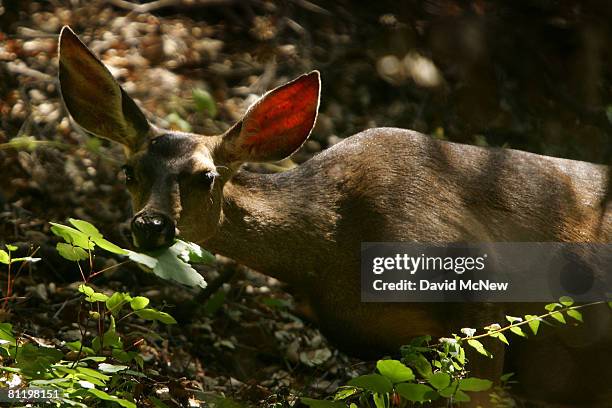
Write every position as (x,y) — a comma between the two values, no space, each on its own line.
(304,226)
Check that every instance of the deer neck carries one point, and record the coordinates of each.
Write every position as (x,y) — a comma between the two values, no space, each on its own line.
(268,225)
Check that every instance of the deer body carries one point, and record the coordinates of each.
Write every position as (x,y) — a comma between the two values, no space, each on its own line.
(305,226)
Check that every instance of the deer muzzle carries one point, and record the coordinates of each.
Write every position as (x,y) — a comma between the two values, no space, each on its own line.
(152,231)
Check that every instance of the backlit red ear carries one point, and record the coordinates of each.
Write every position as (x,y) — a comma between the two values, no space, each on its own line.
(277,124)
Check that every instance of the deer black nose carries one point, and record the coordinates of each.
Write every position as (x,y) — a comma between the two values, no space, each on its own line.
(150,231)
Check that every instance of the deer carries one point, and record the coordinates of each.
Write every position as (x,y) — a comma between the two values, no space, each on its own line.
(304,226)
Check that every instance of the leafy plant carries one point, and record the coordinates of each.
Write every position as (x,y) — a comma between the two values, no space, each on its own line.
(105,367)
(102,368)
(170,263)
(440,368)
(6,257)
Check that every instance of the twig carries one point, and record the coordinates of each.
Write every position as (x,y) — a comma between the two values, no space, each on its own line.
(22,69)
(63,305)
(109,268)
(26,32)
(307,5)
(526,321)
(159,4)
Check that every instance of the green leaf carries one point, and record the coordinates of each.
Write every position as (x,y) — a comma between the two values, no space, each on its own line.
(88,382)
(474,384)
(107,397)
(112,339)
(518,331)
(439,380)
(566,301)
(416,392)
(501,337)
(97,297)
(506,377)
(461,396)
(575,314)
(111,368)
(71,252)
(72,236)
(315,403)
(11,247)
(419,363)
(395,371)
(196,254)
(116,302)
(86,228)
(372,382)
(552,306)
(139,302)
(152,314)
(109,339)
(204,102)
(35,361)
(51,381)
(450,390)
(142,259)
(95,235)
(460,357)
(76,346)
(533,324)
(92,373)
(4,257)
(109,246)
(171,266)
(91,295)
(86,290)
(6,334)
(513,319)
(558,317)
(479,347)
(344,393)
(97,359)
(379,400)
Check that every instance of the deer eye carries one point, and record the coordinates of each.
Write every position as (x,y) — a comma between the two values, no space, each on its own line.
(128,171)
(207,178)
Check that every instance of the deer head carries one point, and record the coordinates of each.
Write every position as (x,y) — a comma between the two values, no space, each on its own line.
(176,179)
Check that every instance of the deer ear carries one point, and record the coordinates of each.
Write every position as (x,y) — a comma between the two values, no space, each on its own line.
(277,124)
(94,99)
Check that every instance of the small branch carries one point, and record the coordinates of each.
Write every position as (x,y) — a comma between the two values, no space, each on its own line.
(108,268)
(159,4)
(307,5)
(81,270)
(524,322)
(22,69)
